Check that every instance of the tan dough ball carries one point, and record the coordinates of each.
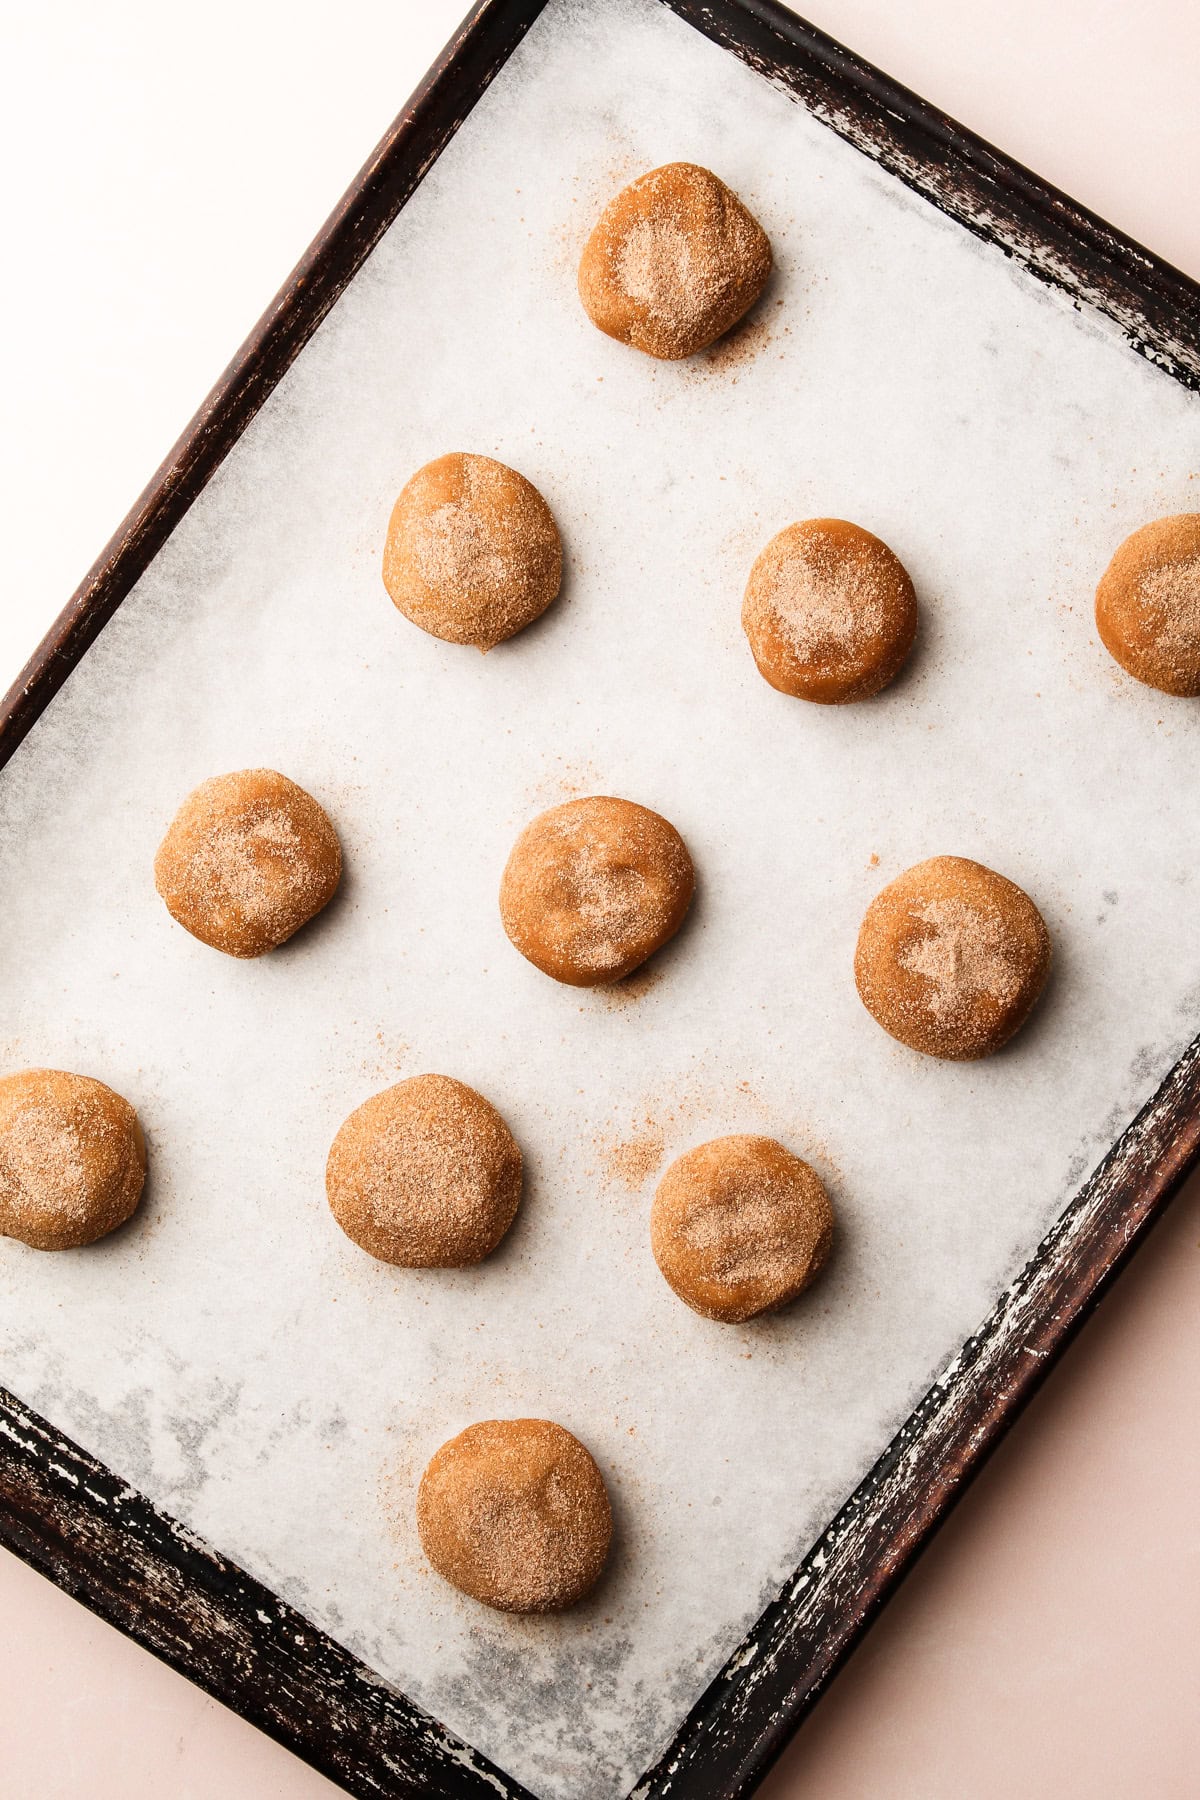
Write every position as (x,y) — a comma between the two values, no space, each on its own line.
(951,958)
(472,553)
(740,1226)
(72,1159)
(675,259)
(248,859)
(425,1175)
(1148,605)
(514,1513)
(830,612)
(594,887)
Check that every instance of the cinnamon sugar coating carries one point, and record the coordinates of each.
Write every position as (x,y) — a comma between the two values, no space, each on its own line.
(740,1226)
(951,958)
(674,261)
(829,611)
(472,554)
(1148,605)
(514,1512)
(248,859)
(425,1175)
(72,1159)
(594,887)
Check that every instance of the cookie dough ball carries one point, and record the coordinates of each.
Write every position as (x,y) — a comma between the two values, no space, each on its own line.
(472,552)
(1148,605)
(425,1175)
(830,612)
(514,1513)
(249,859)
(951,958)
(674,260)
(740,1226)
(72,1159)
(593,888)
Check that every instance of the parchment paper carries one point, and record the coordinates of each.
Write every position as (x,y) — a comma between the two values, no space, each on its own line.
(230,1352)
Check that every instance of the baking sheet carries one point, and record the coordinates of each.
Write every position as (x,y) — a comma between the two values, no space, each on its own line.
(230,1353)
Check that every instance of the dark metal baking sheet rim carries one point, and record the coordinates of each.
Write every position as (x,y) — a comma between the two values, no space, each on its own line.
(83,1527)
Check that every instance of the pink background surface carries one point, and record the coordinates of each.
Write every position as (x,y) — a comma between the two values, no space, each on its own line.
(1046,1645)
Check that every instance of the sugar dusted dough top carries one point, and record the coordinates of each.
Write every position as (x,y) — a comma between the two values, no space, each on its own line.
(740,1226)
(951,958)
(594,887)
(674,261)
(248,859)
(829,611)
(1148,605)
(472,553)
(72,1159)
(514,1512)
(425,1175)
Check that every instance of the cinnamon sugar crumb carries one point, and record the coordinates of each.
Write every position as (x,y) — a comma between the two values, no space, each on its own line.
(1172,594)
(635,987)
(746,1241)
(632,1163)
(965,955)
(826,596)
(454,550)
(41,1161)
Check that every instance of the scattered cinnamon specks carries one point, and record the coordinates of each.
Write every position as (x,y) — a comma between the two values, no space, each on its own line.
(628,992)
(634,1161)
